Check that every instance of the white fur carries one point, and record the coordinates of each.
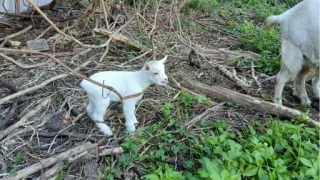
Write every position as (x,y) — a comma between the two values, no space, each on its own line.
(299,49)
(126,83)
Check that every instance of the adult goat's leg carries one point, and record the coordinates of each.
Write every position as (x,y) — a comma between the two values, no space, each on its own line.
(301,86)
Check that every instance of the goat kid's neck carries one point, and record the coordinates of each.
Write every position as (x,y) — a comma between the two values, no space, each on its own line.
(143,79)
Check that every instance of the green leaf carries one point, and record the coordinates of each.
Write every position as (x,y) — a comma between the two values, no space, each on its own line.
(306,162)
(151,177)
(311,172)
(251,170)
(258,158)
(261,173)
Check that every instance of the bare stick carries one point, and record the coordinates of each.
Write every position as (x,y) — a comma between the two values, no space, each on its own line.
(202,115)
(44,32)
(23,66)
(140,56)
(105,13)
(20,93)
(17,33)
(14,105)
(255,77)
(224,94)
(85,150)
(72,71)
(30,114)
(23,92)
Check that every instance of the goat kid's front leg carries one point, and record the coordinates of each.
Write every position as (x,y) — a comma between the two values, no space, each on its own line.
(128,110)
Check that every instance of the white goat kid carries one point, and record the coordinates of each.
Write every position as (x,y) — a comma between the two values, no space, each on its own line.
(126,83)
(299,49)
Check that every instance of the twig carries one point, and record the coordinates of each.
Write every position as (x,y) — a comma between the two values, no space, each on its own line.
(44,32)
(14,35)
(72,71)
(255,77)
(105,13)
(23,66)
(71,37)
(20,93)
(155,19)
(202,115)
(37,17)
(30,114)
(62,134)
(6,24)
(140,56)
(14,106)
(17,33)
(86,150)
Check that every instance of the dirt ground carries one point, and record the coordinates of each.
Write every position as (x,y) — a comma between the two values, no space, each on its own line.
(66,94)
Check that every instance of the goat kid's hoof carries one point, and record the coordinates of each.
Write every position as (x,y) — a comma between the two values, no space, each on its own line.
(106,131)
(131,129)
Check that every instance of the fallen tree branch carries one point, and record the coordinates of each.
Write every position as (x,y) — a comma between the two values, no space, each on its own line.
(30,114)
(224,94)
(23,66)
(202,115)
(72,71)
(14,106)
(86,150)
(57,134)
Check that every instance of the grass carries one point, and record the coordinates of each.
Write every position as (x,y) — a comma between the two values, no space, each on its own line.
(273,150)
(244,19)
(166,150)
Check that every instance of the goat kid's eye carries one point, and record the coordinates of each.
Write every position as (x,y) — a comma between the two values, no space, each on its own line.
(155,73)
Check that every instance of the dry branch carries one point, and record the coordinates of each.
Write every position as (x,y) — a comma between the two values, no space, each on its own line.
(64,75)
(17,33)
(31,113)
(85,150)
(71,37)
(23,66)
(197,58)
(14,106)
(202,115)
(23,92)
(121,38)
(224,94)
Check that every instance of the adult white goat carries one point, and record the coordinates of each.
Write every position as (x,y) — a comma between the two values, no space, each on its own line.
(126,83)
(299,49)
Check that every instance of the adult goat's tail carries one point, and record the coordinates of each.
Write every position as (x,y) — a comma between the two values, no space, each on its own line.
(273,20)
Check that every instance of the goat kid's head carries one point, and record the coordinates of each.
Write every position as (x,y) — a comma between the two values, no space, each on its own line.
(156,71)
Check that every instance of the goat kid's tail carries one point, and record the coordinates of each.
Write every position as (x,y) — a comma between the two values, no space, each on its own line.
(273,20)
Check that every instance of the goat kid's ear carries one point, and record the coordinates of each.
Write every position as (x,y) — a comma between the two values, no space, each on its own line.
(163,60)
(147,67)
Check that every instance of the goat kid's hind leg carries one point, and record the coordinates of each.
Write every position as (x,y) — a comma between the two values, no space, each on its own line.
(96,111)
(128,110)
